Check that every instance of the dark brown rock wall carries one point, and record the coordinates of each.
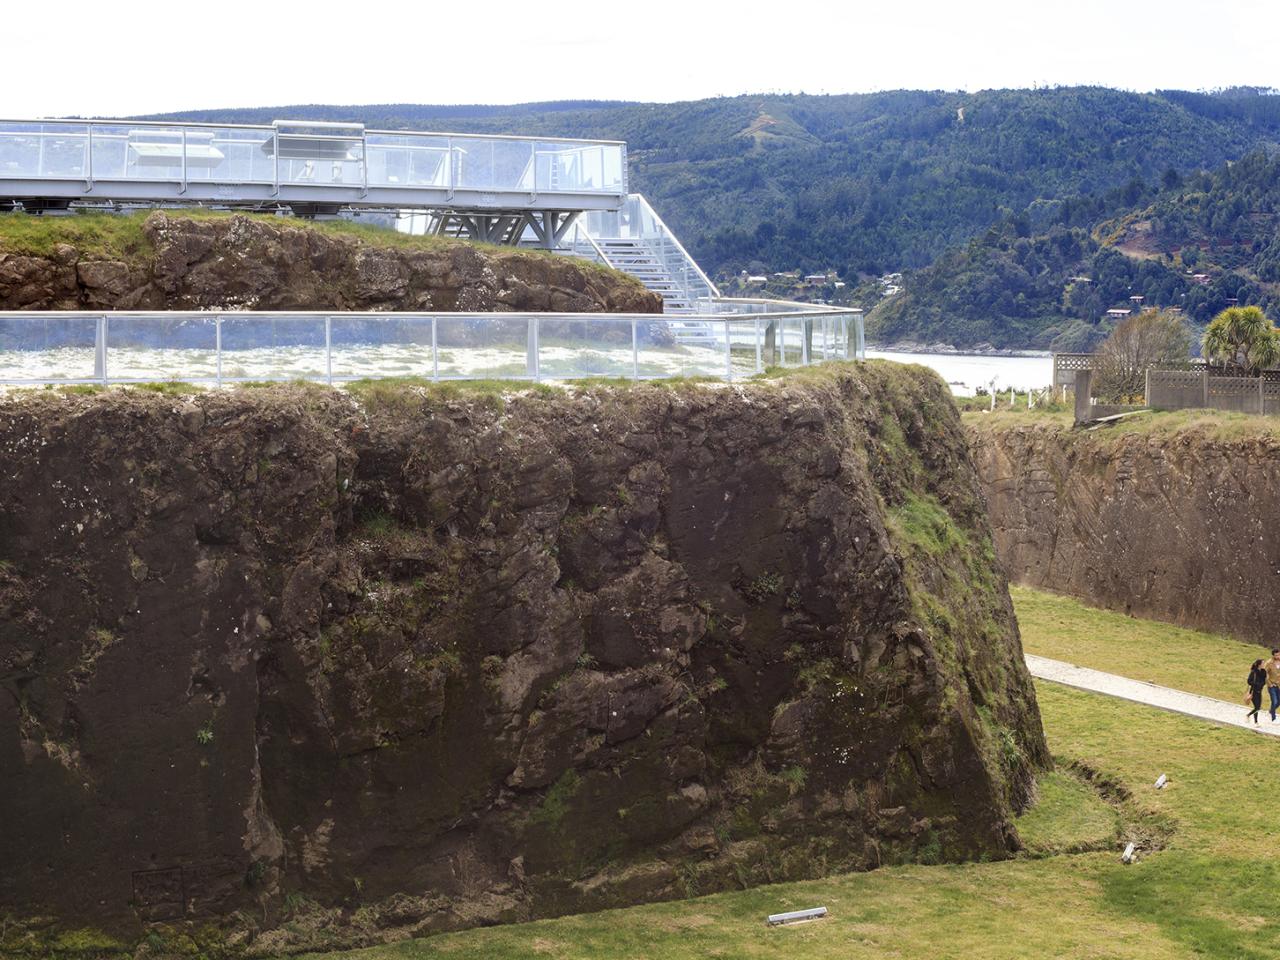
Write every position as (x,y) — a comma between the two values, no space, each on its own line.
(257,263)
(438,659)
(1179,526)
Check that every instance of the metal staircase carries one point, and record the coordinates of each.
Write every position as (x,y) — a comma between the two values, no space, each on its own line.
(636,241)
(634,256)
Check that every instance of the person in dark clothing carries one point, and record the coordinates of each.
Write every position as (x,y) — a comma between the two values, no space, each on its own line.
(1257,680)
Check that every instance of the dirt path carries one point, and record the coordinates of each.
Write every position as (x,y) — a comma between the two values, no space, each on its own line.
(1163,698)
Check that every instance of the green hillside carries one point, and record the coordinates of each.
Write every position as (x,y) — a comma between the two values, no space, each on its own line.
(1199,243)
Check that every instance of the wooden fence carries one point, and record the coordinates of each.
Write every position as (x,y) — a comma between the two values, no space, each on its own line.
(1188,389)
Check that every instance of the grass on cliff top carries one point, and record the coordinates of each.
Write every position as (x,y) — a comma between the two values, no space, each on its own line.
(119,236)
(1221,425)
(1210,894)
(106,236)
(1065,629)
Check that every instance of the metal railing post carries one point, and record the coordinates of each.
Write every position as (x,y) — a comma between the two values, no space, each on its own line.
(364,161)
(635,349)
(531,350)
(328,350)
(99,349)
(184,160)
(88,151)
(759,368)
(449,176)
(106,333)
(217,346)
(435,354)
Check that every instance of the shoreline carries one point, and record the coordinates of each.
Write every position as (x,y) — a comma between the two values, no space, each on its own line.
(947,350)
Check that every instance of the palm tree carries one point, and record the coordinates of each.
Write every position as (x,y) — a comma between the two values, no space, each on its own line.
(1243,337)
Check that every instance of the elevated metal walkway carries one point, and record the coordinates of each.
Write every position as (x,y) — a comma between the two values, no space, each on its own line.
(494,185)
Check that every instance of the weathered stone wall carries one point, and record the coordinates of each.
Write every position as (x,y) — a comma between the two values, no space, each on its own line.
(1156,521)
(243,262)
(429,659)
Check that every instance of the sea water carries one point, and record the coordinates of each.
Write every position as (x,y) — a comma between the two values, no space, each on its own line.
(964,373)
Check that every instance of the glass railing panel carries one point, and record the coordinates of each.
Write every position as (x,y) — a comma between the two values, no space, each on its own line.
(259,347)
(484,164)
(48,150)
(48,348)
(376,347)
(408,161)
(573,349)
(234,155)
(480,348)
(746,343)
(319,160)
(572,167)
(681,348)
(159,349)
(20,150)
(110,152)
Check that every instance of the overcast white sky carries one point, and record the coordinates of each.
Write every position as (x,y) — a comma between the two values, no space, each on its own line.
(110,59)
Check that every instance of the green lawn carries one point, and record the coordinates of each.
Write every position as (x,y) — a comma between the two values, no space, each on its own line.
(1066,629)
(1210,893)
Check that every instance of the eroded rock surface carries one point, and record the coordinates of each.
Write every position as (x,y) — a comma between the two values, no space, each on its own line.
(438,660)
(1175,525)
(242,263)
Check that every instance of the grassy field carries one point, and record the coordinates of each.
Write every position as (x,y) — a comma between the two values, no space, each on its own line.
(1211,892)
(1219,425)
(1066,629)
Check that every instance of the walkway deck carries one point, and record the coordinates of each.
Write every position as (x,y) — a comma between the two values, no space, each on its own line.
(1149,694)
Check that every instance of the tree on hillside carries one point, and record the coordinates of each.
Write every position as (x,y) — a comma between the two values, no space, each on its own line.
(1152,338)
(1243,338)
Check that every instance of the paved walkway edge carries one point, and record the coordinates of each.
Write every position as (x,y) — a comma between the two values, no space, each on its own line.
(1163,698)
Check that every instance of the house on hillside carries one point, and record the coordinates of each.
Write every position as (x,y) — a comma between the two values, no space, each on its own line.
(1118,313)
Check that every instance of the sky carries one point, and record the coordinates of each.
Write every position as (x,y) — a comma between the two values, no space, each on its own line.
(142,57)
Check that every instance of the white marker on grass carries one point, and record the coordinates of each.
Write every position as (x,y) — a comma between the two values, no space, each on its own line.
(777,919)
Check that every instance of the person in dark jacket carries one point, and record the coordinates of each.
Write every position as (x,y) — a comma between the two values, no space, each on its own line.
(1257,680)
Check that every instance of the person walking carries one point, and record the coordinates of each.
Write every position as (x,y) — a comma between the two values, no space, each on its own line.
(1257,680)
(1272,667)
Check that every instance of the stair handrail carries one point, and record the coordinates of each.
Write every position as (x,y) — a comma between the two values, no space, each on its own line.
(668,232)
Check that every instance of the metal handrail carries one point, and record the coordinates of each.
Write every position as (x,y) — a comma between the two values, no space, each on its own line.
(667,231)
(170,124)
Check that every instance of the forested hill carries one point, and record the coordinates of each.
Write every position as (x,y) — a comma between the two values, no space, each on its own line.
(1200,243)
(871,182)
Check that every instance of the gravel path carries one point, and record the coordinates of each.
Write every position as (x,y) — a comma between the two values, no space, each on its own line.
(1164,698)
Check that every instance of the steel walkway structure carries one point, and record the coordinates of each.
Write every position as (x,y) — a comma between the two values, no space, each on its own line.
(491,188)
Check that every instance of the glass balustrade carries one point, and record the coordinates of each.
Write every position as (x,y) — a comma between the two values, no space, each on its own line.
(200,347)
(302,153)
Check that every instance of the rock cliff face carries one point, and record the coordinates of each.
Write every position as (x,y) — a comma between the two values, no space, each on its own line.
(242,262)
(1174,524)
(409,660)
